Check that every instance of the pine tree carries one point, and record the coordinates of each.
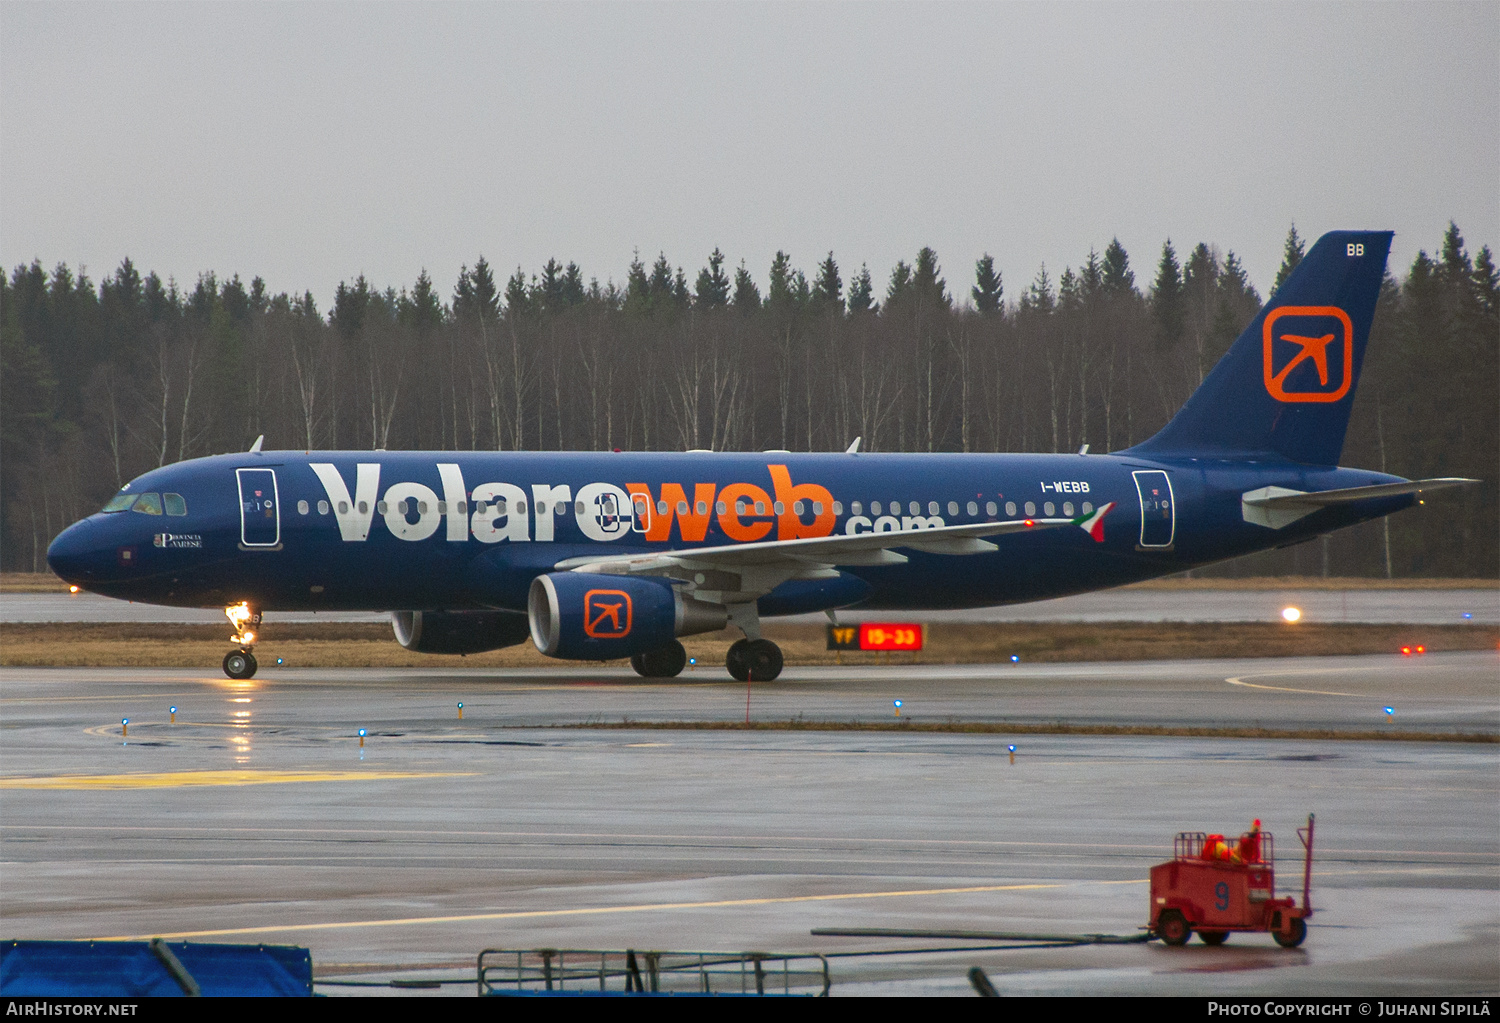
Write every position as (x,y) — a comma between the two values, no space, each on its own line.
(1091,276)
(662,284)
(1166,298)
(572,290)
(929,288)
(1039,297)
(637,287)
(746,294)
(861,292)
(551,289)
(712,288)
(421,310)
(988,289)
(779,290)
(1119,279)
(1069,290)
(828,289)
(1291,255)
(520,300)
(349,304)
(899,289)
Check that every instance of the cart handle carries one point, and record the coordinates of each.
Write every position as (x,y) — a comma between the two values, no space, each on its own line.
(1306,835)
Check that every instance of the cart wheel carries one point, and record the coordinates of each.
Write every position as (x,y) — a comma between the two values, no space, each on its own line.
(1172,927)
(1214,937)
(1299,933)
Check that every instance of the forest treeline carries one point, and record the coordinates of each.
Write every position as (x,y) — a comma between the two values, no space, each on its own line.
(102,382)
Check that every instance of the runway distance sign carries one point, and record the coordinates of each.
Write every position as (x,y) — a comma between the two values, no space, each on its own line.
(876,636)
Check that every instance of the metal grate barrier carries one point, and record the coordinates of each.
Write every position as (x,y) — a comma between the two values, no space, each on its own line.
(577,971)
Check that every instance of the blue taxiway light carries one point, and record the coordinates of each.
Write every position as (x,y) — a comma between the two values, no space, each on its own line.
(1011,748)
(1014,659)
(1390,710)
(898,703)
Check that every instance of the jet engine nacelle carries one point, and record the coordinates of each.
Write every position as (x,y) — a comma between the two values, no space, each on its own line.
(458,632)
(585,617)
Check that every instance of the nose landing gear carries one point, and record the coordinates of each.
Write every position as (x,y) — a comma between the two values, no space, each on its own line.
(240,663)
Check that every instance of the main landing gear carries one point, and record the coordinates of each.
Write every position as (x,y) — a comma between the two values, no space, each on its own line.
(754,660)
(751,659)
(240,663)
(663,662)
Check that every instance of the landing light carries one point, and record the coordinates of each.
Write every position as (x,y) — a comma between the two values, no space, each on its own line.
(1291,614)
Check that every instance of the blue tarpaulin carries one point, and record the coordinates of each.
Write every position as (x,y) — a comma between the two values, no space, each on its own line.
(123,969)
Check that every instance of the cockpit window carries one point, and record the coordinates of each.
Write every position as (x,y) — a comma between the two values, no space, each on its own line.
(120,502)
(147,504)
(175,504)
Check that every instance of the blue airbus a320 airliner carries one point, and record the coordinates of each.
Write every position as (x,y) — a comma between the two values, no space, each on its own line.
(599,556)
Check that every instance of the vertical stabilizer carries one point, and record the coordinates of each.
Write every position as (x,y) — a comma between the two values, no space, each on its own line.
(1286,386)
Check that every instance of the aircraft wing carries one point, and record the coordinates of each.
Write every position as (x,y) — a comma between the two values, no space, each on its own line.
(748,570)
(1276,507)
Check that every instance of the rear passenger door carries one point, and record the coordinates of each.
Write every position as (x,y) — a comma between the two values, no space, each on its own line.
(260,509)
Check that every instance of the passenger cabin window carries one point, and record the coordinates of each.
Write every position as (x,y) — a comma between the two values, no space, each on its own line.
(119,503)
(175,504)
(147,504)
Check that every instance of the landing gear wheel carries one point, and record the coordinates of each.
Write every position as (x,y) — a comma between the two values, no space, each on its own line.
(1214,937)
(663,662)
(761,660)
(734,660)
(1172,927)
(1296,937)
(240,664)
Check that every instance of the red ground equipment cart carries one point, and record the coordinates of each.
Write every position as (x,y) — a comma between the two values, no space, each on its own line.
(1214,886)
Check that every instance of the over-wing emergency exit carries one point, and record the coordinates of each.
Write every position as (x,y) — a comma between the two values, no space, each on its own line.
(597,556)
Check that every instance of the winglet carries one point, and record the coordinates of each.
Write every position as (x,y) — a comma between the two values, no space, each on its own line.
(853,449)
(1093,524)
(255,448)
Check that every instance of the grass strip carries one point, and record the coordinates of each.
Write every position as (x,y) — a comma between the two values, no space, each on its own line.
(1033,728)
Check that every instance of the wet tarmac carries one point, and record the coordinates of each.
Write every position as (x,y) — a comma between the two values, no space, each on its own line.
(1381,607)
(258,817)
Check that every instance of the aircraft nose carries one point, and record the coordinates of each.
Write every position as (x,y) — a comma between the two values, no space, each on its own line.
(75,555)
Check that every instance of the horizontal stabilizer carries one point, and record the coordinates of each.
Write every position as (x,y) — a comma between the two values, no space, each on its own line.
(1276,507)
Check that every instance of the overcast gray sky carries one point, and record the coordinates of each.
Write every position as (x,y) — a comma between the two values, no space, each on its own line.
(308,143)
